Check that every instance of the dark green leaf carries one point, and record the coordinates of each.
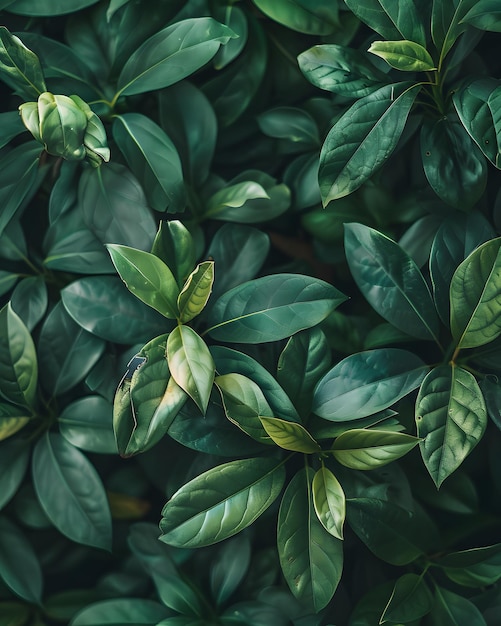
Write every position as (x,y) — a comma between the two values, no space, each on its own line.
(14,457)
(196,291)
(475,290)
(87,424)
(172,54)
(10,126)
(367,382)
(272,308)
(451,418)
(403,55)
(221,502)
(13,243)
(477,567)
(485,15)
(449,609)
(229,567)
(410,600)
(175,246)
(71,492)
(153,159)
(446,23)
(12,419)
(314,17)
(290,123)
(20,67)
(29,300)
(310,557)
(178,595)
(329,501)
(363,138)
(121,612)
(391,281)
(45,8)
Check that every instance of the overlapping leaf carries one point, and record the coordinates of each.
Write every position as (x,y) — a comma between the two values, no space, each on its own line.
(329,501)
(196,291)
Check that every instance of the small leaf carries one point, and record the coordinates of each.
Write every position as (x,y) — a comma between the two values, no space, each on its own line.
(289,435)
(196,291)
(221,502)
(147,277)
(406,56)
(20,67)
(410,600)
(474,295)
(366,449)
(329,501)
(175,246)
(451,419)
(191,364)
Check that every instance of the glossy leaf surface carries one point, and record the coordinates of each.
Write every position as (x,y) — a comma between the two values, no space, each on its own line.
(451,609)
(87,424)
(410,600)
(316,17)
(289,435)
(20,67)
(174,245)
(403,55)
(329,501)
(196,291)
(477,567)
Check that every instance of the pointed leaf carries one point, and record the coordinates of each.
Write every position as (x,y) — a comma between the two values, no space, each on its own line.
(71,492)
(404,55)
(20,67)
(410,600)
(229,567)
(310,557)
(14,457)
(174,245)
(452,610)
(191,364)
(289,435)
(147,277)
(477,567)
(329,501)
(12,419)
(391,281)
(474,295)
(365,449)
(196,291)
(349,158)
(272,308)
(367,382)
(87,424)
(451,418)
(172,54)
(221,502)
(485,15)
(234,197)
(446,23)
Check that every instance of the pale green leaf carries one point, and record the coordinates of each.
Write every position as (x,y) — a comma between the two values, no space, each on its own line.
(290,435)
(329,501)
(196,291)
(404,55)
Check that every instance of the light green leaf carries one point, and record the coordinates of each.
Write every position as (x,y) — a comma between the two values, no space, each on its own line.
(451,418)
(485,15)
(367,382)
(196,291)
(391,281)
(233,196)
(272,308)
(410,600)
(147,277)
(450,609)
(191,364)
(12,419)
(329,501)
(290,435)
(363,138)
(314,17)
(404,55)
(366,449)
(244,404)
(175,246)
(20,67)
(172,54)
(221,502)
(18,360)
(310,557)
(153,159)
(71,492)
(475,293)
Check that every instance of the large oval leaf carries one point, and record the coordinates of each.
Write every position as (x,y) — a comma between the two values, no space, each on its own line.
(475,294)
(451,418)
(272,308)
(410,600)
(20,67)
(367,382)
(404,55)
(172,54)
(221,502)
(71,492)
(391,281)
(363,138)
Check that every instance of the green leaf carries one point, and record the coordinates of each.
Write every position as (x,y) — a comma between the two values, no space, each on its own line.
(485,15)
(178,595)
(103,306)
(449,609)
(191,364)
(474,292)
(236,19)
(341,70)
(410,600)
(363,138)
(172,54)
(329,501)
(391,19)
(477,567)
(14,613)
(229,567)
(391,281)
(121,611)
(272,308)
(446,23)
(29,300)
(310,557)
(314,17)
(12,419)
(11,126)
(367,382)
(290,435)
(20,67)
(196,291)
(244,404)
(147,277)
(153,159)
(17,559)
(389,531)
(451,418)
(175,246)
(66,352)
(14,457)
(404,55)
(71,492)
(18,360)
(366,449)
(221,502)
(233,196)
(477,104)
(291,124)
(87,424)
(46,8)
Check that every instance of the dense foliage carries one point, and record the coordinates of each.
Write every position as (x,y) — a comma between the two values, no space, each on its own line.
(251,312)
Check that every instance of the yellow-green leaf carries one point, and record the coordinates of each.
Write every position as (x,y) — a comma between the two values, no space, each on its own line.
(289,435)
(404,55)
(196,291)
(329,501)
